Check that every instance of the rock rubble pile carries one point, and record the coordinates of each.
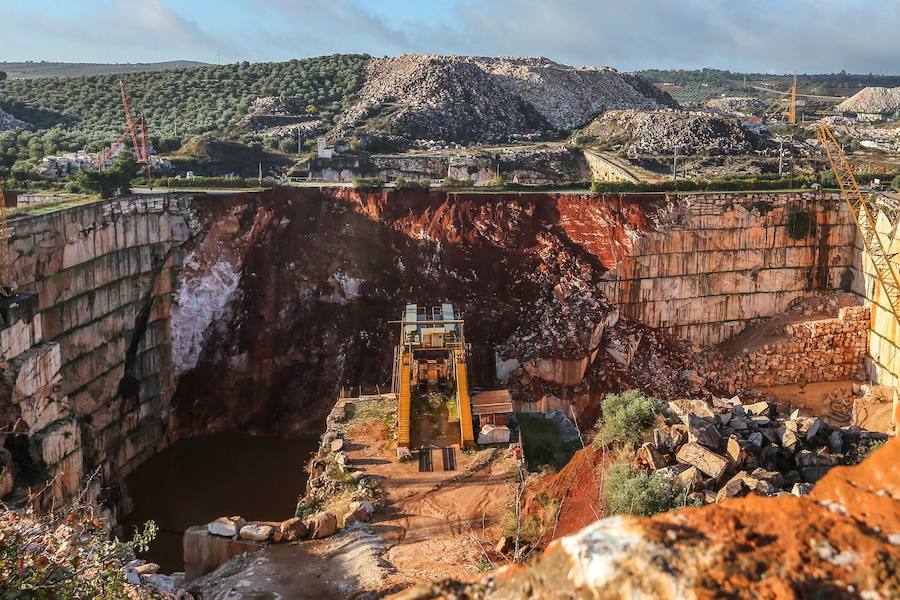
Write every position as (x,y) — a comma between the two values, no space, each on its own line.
(730,449)
(468,100)
(9,122)
(872,100)
(736,105)
(642,133)
(280,116)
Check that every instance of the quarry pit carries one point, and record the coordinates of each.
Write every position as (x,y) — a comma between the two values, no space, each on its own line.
(150,320)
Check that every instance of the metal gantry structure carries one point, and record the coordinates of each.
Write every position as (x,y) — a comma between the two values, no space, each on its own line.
(866,218)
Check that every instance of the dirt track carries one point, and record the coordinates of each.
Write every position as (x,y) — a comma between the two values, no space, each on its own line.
(433,533)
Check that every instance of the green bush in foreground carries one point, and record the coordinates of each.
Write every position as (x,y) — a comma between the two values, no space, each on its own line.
(626,418)
(641,493)
(64,555)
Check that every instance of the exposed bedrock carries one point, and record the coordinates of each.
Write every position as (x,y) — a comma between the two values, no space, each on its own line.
(176,317)
(289,296)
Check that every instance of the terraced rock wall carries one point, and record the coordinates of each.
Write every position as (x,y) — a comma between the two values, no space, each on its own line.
(717,261)
(103,275)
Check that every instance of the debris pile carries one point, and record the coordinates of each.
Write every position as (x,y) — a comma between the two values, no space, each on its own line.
(481,100)
(736,105)
(816,350)
(730,449)
(872,100)
(280,116)
(665,131)
(9,122)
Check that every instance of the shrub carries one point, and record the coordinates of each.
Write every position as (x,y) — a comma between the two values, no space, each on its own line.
(641,493)
(543,443)
(496,182)
(847,279)
(67,554)
(896,183)
(367,183)
(451,182)
(626,418)
(865,449)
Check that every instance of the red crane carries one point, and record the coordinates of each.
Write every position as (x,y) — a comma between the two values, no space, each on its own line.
(141,147)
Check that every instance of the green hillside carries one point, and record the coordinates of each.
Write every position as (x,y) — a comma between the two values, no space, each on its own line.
(69,113)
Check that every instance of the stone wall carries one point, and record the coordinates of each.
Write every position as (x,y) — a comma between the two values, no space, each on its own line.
(820,350)
(721,259)
(103,275)
(883,362)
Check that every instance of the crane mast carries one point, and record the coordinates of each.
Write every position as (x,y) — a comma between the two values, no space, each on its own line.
(865,216)
(791,113)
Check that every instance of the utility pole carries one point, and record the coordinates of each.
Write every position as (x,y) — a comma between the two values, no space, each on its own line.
(299,142)
(675,164)
(260,175)
(780,156)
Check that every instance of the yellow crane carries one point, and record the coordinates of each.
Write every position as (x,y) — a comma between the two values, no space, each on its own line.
(791,113)
(865,216)
(7,288)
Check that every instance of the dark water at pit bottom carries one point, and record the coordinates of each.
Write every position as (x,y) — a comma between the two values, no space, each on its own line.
(195,481)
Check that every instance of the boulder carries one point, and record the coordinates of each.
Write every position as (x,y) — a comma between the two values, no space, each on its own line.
(707,461)
(321,525)
(760,409)
(358,511)
(337,445)
(756,438)
(256,532)
(810,428)
(736,450)
(836,442)
(690,479)
(801,489)
(226,526)
(147,568)
(403,454)
(648,455)
(293,529)
(733,487)
(702,431)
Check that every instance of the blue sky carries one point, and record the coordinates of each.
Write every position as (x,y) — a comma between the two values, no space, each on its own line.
(758,35)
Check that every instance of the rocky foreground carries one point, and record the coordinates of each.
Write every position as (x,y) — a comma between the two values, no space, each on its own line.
(840,541)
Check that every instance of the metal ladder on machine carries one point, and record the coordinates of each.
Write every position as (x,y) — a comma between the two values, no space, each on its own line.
(404,398)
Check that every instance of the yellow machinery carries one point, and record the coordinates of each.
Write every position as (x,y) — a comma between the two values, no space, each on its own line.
(791,113)
(865,217)
(432,351)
